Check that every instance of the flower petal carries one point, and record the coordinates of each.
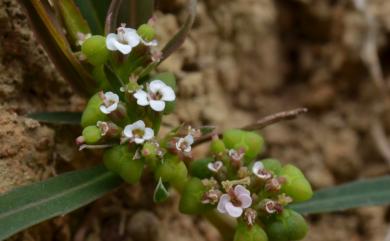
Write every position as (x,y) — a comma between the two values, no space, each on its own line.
(189,139)
(149,134)
(139,140)
(128,131)
(150,43)
(112,107)
(157,105)
(104,109)
(142,97)
(168,94)
(156,85)
(232,210)
(257,167)
(246,200)
(239,190)
(123,48)
(132,37)
(222,203)
(110,40)
(140,125)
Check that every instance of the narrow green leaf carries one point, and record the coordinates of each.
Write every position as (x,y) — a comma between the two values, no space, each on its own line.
(29,205)
(113,78)
(206,129)
(136,12)
(352,195)
(95,13)
(69,118)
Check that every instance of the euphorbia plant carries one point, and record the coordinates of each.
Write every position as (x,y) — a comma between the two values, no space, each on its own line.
(245,197)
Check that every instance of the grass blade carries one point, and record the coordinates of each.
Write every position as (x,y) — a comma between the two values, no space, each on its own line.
(95,13)
(29,205)
(352,195)
(68,118)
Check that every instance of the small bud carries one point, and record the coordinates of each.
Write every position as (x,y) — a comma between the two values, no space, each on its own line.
(215,166)
(94,48)
(274,184)
(109,129)
(91,134)
(150,153)
(211,196)
(271,206)
(250,216)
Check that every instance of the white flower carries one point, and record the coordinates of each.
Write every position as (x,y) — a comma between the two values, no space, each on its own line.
(124,41)
(215,166)
(110,102)
(184,143)
(137,132)
(151,43)
(235,202)
(260,172)
(158,93)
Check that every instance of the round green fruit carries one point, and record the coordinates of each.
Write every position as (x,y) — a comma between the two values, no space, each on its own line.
(94,48)
(92,134)
(246,233)
(92,113)
(296,186)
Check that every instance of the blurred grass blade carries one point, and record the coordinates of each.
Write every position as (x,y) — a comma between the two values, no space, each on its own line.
(48,30)
(352,195)
(180,36)
(29,205)
(113,78)
(68,118)
(74,22)
(95,13)
(112,17)
(136,12)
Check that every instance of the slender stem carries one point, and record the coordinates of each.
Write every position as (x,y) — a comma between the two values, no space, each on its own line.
(260,124)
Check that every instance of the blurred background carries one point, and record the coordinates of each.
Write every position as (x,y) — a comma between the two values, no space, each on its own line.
(244,59)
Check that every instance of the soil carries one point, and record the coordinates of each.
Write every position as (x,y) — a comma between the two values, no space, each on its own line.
(244,59)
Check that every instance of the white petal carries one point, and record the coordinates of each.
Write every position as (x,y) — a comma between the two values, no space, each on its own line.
(238,190)
(111,96)
(149,134)
(179,143)
(112,107)
(123,48)
(246,200)
(142,98)
(222,203)
(110,40)
(128,131)
(104,109)
(150,43)
(257,167)
(187,149)
(189,139)
(168,94)
(157,105)
(139,140)
(140,125)
(156,85)
(132,37)
(233,211)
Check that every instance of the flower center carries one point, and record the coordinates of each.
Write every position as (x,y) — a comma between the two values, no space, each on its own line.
(155,96)
(121,35)
(138,132)
(234,199)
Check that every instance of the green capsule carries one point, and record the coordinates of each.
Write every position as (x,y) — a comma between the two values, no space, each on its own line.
(199,169)
(115,156)
(131,170)
(254,143)
(149,152)
(92,113)
(191,197)
(94,48)
(233,137)
(217,147)
(272,165)
(296,186)
(146,32)
(173,171)
(92,134)
(246,233)
(288,226)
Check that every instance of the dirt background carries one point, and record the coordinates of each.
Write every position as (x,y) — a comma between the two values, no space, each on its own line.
(244,59)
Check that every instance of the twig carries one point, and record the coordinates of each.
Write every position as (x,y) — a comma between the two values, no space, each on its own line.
(262,123)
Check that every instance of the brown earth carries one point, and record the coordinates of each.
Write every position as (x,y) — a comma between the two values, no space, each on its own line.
(244,59)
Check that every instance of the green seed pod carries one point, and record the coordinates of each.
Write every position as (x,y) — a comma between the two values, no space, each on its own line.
(146,32)
(191,197)
(115,156)
(288,226)
(217,147)
(92,113)
(199,169)
(272,165)
(255,144)
(173,171)
(131,170)
(92,134)
(94,48)
(296,185)
(232,138)
(254,233)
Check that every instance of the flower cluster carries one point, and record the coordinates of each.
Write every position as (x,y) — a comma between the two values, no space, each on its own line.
(125,121)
